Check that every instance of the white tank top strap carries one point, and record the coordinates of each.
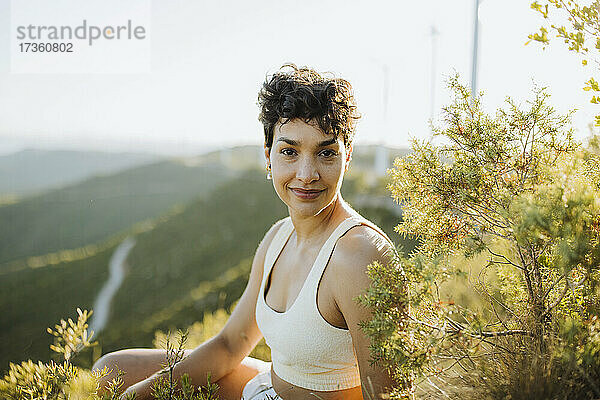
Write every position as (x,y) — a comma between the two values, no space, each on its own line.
(279,240)
(326,251)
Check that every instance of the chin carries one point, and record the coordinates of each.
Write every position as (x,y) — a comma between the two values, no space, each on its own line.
(307,209)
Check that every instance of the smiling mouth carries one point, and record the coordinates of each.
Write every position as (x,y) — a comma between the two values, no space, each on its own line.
(306,194)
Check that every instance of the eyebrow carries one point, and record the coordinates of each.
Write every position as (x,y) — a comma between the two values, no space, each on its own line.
(288,141)
(327,142)
(295,143)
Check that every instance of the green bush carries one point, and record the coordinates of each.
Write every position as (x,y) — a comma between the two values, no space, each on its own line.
(516,194)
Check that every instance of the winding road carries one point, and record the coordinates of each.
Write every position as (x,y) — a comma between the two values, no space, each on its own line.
(116,270)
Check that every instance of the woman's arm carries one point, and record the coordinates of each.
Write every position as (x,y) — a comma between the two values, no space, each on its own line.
(354,252)
(224,352)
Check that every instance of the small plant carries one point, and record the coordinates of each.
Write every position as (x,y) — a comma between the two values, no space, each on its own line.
(165,386)
(71,338)
(51,380)
(114,387)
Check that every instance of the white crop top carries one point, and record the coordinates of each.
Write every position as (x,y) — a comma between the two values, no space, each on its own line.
(306,350)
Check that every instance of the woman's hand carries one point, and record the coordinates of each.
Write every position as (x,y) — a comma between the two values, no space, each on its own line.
(141,390)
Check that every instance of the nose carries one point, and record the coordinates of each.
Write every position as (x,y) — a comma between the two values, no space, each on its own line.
(307,171)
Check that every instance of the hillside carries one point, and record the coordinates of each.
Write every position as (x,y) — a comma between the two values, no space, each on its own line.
(33,299)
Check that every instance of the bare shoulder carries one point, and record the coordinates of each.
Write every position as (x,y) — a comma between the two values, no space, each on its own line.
(354,252)
(360,246)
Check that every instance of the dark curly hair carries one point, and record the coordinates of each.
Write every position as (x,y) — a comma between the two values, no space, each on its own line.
(306,94)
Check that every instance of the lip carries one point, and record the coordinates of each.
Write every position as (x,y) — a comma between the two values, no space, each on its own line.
(307,194)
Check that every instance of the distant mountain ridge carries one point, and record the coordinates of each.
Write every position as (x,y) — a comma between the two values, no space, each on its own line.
(31,171)
(92,210)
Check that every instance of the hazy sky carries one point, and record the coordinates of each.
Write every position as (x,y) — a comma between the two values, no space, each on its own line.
(208,60)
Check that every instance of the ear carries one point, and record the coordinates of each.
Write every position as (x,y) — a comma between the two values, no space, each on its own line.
(348,157)
(267,154)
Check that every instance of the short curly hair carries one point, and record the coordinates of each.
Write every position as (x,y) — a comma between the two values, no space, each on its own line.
(304,93)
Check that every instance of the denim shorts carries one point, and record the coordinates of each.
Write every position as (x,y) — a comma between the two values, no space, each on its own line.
(260,388)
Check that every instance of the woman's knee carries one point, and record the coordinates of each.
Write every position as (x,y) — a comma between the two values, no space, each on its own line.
(106,361)
(106,364)
(111,362)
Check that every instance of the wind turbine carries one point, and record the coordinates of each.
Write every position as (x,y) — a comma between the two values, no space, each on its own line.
(434,33)
(381,152)
(475,48)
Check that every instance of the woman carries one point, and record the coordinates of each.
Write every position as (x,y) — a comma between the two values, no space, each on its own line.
(306,272)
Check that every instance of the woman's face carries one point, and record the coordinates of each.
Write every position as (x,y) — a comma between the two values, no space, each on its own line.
(307,166)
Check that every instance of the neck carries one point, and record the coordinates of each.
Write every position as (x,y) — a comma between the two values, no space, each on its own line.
(312,228)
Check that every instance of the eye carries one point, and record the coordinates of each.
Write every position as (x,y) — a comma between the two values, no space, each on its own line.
(288,152)
(328,153)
